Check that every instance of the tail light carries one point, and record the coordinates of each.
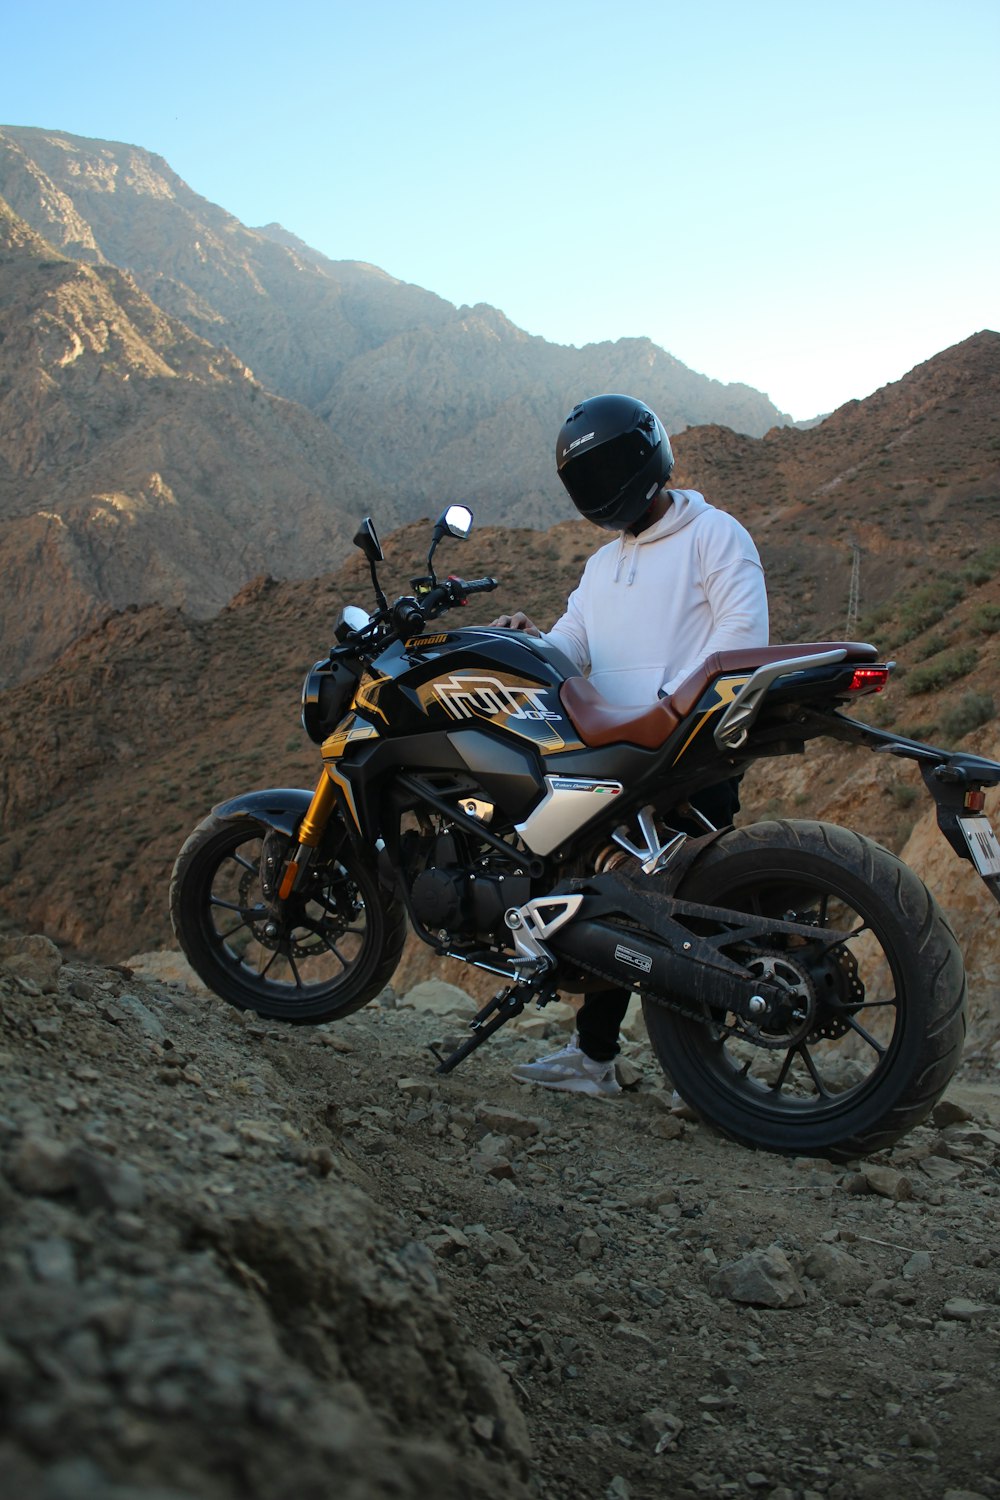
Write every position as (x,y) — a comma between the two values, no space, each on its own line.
(869,679)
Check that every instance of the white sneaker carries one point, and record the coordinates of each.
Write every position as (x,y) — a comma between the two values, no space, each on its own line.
(572,1070)
(680,1107)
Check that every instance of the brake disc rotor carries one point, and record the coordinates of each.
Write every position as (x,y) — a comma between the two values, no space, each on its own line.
(335,903)
(839,974)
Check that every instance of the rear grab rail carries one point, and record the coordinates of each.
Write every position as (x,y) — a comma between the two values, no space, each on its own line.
(734,726)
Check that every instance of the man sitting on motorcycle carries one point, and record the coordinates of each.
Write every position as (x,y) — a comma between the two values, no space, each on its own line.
(682,581)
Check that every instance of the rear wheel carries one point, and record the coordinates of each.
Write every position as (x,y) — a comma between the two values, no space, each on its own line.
(871,1027)
(335,947)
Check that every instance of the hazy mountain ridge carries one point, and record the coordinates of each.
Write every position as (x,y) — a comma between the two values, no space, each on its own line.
(299,319)
(284,314)
(187,402)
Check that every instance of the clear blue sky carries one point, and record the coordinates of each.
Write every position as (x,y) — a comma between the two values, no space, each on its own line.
(803,196)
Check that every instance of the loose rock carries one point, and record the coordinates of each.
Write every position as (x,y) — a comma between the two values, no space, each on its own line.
(764,1278)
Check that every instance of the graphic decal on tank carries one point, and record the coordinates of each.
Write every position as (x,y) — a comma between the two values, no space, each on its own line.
(369,691)
(529,710)
(466,696)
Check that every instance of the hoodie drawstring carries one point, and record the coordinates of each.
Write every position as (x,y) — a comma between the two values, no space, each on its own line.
(633,561)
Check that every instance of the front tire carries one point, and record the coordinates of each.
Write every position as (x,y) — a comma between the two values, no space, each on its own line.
(336,948)
(874,1025)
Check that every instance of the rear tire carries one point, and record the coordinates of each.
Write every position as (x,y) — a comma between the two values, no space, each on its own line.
(336,950)
(874,1025)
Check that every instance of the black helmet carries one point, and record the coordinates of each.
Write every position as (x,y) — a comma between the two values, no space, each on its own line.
(614,457)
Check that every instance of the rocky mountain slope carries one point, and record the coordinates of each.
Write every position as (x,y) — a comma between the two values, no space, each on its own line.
(138,462)
(244,1261)
(157,714)
(417,389)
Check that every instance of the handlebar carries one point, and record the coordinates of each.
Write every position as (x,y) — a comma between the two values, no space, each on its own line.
(408,615)
(452,591)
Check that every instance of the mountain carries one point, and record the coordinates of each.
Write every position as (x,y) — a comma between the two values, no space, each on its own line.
(438,401)
(144,464)
(186,402)
(139,462)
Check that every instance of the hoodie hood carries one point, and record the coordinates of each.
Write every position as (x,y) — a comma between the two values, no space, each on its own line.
(685,506)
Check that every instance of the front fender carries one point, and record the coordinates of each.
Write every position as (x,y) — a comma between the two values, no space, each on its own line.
(280,807)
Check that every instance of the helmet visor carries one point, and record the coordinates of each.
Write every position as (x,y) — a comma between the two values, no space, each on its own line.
(596,479)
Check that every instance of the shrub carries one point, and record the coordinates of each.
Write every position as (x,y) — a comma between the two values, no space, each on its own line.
(925,606)
(881,712)
(983,567)
(941,670)
(914,610)
(986,619)
(920,731)
(870,622)
(931,646)
(971,711)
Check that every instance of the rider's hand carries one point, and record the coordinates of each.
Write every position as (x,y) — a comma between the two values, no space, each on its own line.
(517,621)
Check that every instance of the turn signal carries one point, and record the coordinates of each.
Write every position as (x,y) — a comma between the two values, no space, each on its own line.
(975,800)
(869,679)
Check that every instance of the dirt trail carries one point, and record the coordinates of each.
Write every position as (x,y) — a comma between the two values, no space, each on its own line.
(244,1260)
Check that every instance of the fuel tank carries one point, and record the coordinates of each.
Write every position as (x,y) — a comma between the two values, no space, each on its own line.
(464,678)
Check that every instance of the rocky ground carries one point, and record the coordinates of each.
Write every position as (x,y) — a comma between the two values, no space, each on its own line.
(244,1260)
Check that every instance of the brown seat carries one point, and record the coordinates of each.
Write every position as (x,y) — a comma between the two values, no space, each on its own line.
(599,722)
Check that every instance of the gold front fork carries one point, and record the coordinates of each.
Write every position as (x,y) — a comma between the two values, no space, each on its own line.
(310,832)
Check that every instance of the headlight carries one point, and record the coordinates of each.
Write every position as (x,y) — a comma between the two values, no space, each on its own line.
(326,697)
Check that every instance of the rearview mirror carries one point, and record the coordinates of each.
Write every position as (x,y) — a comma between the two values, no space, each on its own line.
(457,519)
(366,538)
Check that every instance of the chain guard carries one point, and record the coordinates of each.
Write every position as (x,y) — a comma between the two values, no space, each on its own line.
(821,1023)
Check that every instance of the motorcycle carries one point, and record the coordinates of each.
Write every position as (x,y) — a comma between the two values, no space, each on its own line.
(799,984)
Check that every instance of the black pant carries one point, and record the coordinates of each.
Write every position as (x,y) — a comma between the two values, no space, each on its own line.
(599,1018)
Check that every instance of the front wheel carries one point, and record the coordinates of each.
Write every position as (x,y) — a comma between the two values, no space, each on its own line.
(872,1026)
(334,949)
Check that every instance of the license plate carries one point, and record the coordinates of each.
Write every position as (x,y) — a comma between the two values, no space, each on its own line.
(983,844)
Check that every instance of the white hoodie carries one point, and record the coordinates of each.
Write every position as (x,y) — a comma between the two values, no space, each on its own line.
(650,608)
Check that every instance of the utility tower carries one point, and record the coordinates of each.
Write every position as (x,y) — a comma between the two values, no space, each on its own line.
(854,594)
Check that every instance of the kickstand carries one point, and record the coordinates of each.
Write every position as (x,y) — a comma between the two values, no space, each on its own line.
(505,1004)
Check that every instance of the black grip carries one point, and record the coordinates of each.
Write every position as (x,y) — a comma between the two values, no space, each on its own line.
(480,585)
(407,617)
